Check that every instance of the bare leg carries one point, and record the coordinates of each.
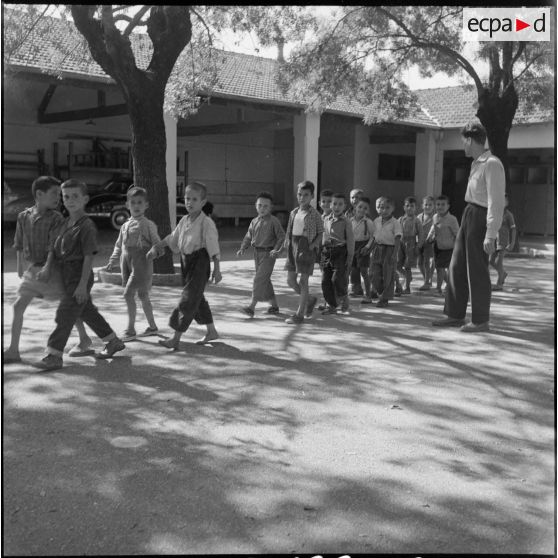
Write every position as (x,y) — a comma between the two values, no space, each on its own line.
(292,282)
(173,342)
(132,310)
(211,334)
(366,280)
(20,305)
(147,309)
(303,301)
(84,339)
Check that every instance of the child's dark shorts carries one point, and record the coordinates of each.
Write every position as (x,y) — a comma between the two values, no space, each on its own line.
(407,256)
(442,258)
(360,260)
(299,257)
(427,250)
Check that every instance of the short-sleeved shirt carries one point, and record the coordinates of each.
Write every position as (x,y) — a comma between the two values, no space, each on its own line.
(264,232)
(189,236)
(385,232)
(411,227)
(363,229)
(76,240)
(508,223)
(426,222)
(338,231)
(445,230)
(36,232)
(313,224)
(136,232)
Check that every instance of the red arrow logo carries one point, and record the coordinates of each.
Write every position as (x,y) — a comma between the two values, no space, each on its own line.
(519,25)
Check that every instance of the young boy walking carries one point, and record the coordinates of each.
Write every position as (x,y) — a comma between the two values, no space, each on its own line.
(302,241)
(426,251)
(196,239)
(354,275)
(137,235)
(266,235)
(411,241)
(73,250)
(363,229)
(505,241)
(36,230)
(442,234)
(387,237)
(337,254)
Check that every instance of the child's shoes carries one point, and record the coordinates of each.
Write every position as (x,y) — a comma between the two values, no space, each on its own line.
(148,331)
(273,310)
(113,346)
(248,311)
(51,362)
(81,349)
(129,335)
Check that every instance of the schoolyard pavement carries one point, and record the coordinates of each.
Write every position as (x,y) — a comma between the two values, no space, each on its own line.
(366,433)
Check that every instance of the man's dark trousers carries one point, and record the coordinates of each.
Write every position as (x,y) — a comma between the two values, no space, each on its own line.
(468,273)
(334,274)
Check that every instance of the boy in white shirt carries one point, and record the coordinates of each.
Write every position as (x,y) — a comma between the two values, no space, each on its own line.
(196,239)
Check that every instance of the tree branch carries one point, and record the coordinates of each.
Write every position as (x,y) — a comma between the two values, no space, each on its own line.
(136,20)
(204,24)
(29,31)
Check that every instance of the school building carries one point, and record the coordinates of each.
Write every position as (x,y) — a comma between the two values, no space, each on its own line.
(248,137)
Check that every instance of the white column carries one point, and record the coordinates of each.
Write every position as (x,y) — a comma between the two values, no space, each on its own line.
(428,177)
(171,135)
(306,131)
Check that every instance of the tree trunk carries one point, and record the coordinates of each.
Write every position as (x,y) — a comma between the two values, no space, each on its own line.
(149,156)
(496,115)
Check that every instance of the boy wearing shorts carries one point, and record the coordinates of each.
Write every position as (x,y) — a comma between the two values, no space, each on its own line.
(137,235)
(410,243)
(302,241)
(36,230)
(426,251)
(443,234)
(363,229)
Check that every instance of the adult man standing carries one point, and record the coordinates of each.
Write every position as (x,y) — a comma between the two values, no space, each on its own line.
(468,274)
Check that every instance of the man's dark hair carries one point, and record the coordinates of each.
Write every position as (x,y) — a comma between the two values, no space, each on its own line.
(44,184)
(306,185)
(474,130)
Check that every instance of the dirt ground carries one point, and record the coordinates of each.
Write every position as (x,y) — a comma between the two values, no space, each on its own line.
(366,433)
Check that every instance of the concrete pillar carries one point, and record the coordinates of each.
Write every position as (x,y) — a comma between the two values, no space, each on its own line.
(306,131)
(171,136)
(428,164)
(362,166)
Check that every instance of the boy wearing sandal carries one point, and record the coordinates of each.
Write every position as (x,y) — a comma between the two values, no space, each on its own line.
(266,235)
(196,239)
(36,230)
(137,235)
(302,241)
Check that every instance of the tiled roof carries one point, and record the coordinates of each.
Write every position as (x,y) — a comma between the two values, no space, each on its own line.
(251,77)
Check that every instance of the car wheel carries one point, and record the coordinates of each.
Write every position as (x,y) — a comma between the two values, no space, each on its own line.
(118,217)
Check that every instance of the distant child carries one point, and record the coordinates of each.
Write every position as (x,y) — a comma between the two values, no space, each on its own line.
(505,242)
(325,206)
(411,242)
(426,251)
(196,239)
(356,287)
(337,255)
(387,238)
(363,229)
(302,241)
(36,229)
(354,197)
(137,235)
(73,251)
(266,235)
(442,234)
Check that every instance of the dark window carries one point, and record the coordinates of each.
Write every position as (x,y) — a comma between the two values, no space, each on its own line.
(396,167)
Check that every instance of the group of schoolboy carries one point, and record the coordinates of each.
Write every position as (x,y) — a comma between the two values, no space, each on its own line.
(347,243)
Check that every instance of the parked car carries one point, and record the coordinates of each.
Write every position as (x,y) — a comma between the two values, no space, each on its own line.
(109,202)
(13,204)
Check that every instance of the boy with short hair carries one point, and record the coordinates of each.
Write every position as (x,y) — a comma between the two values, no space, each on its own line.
(426,251)
(411,241)
(505,241)
(442,234)
(137,235)
(74,249)
(325,202)
(363,229)
(196,239)
(354,275)
(387,238)
(337,254)
(302,241)
(36,230)
(266,235)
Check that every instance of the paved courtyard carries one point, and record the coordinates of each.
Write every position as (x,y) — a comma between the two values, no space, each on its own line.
(368,433)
